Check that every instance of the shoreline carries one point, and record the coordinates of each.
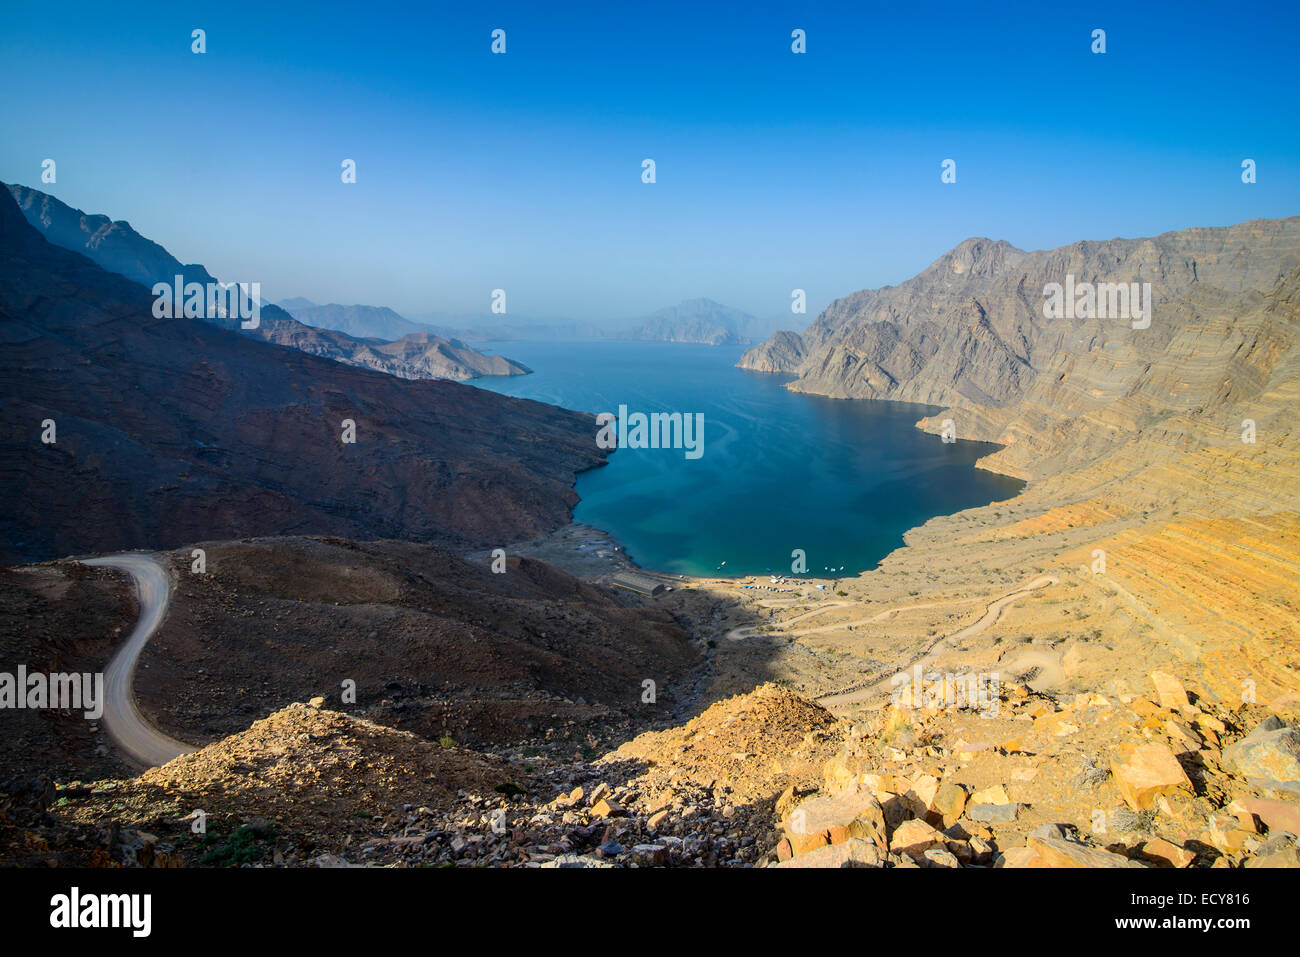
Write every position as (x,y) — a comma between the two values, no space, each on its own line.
(595,555)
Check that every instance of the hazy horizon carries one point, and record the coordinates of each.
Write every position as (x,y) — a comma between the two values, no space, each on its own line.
(522,171)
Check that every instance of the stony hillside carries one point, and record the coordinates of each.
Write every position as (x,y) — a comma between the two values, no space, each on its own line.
(970,331)
(1169,451)
(120,249)
(434,644)
(171,431)
(1161,780)
(419,355)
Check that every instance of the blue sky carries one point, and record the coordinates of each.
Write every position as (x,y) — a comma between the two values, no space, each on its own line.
(775,170)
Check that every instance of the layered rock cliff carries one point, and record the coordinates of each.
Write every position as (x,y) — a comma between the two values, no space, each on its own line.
(1163,461)
(969,333)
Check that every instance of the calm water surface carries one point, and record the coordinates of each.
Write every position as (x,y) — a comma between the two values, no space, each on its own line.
(840,479)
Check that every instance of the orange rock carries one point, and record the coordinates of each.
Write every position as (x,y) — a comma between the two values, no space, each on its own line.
(1208,722)
(803,843)
(949,802)
(852,853)
(606,808)
(1169,691)
(1276,815)
(915,837)
(1019,857)
(1058,852)
(992,795)
(1183,737)
(831,820)
(1227,833)
(920,796)
(1167,853)
(1143,772)
(1145,707)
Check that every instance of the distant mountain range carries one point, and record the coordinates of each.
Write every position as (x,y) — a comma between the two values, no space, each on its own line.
(703,321)
(488,327)
(171,431)
(694,320)
(117,247)
(363,322)
(433,345)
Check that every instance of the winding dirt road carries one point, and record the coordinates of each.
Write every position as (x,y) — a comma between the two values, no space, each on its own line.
(125,725)
(874,683)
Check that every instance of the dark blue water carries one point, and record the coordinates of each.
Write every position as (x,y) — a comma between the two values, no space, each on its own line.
(840,479)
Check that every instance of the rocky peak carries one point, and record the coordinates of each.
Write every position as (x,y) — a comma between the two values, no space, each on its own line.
(979,258)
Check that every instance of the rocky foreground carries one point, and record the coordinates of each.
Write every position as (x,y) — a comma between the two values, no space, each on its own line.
(765,779)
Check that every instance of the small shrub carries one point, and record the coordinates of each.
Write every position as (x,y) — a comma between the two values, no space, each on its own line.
(246,845)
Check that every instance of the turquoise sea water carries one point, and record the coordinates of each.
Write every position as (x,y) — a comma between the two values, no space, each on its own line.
(840,479)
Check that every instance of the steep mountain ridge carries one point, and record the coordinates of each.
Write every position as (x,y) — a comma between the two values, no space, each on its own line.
(118,248)
(171,430)
(1163,462)
(969,331)
(114,245)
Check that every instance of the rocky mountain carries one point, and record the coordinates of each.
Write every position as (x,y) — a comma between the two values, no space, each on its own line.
(781,353)
(361,322)
(420,355)
(970,332)
(118,248)
(169,430)
(423,351)
(694,320)
(1163,459)
(113,245)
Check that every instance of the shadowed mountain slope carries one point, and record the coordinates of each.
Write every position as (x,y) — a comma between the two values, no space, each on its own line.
(417,354)
(174,430)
